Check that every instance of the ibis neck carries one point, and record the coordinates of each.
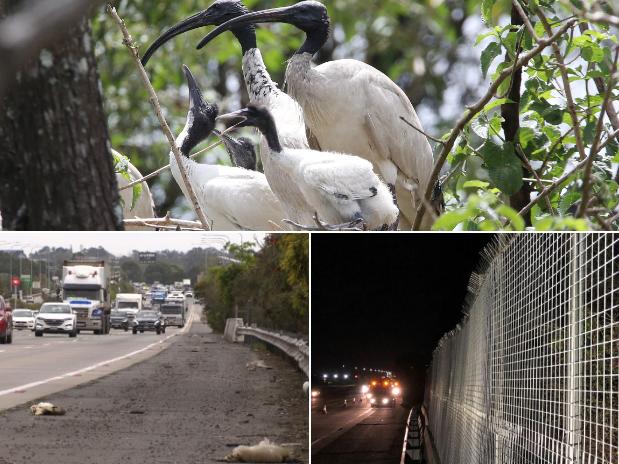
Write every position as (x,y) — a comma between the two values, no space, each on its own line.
(314,40)
(186,141)
(257,79)
(246,36)
(270,134)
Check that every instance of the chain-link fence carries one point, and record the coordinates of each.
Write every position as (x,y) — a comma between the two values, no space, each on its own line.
(531,375)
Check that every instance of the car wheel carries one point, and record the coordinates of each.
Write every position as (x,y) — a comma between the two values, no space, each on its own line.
(158,331)
(9,338)
(73,334)
(126,329)
(135,332)
(3,339)
(96,332)
(38,333)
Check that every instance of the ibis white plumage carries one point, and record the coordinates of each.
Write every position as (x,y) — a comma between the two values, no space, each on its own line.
(341,189)
(262,90)
(232,198)
(352,107)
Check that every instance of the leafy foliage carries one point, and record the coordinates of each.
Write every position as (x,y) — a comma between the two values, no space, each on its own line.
(269,287)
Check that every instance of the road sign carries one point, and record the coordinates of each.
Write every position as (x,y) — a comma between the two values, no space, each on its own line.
(147,257)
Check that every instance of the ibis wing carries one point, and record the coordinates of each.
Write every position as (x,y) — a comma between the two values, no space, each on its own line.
(345,177)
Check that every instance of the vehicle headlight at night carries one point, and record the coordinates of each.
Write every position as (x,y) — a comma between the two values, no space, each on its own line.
(369,395)
(365,389)
(372,400)
(385,400)
(315,393)
(395,391)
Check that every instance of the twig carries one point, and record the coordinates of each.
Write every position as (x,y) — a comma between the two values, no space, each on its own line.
(594,17)
(571,107)
(586,187)
(422,132)
(128,41)
(525,19)
(537,180)
(167,166)
(165,221)
(476,108)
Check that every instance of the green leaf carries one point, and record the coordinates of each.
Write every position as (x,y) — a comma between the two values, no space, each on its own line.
(516,220)
(525,135)
(503,165)
(495,103)
(488,55)
(475,184)
(486,11)
(592,54)
(567,201)
(137,191)
(449,221)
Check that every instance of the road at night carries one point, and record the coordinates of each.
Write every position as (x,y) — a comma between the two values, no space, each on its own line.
(355,432)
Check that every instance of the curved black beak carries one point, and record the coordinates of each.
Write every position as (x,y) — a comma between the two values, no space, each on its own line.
(273,15)
(195,94)
(236,118)
(203,18)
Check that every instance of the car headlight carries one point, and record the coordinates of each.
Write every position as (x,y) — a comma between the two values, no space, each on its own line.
(365,389)
(395,391)
(315,393)
(369,395)
(67,319)
(372,400)
(385,400)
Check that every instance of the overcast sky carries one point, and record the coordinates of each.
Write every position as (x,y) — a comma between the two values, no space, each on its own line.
(122,243)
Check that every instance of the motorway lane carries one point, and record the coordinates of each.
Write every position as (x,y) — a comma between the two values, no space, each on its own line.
(33,359)
(355,432)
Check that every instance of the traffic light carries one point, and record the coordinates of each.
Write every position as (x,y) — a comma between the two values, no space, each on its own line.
(15,281)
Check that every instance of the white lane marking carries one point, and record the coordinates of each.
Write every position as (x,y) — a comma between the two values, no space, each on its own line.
(343,428)
(2,351)
(94,366)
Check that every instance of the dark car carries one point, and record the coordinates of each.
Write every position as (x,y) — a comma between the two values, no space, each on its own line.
(6,323)
(148,321)
(119,320)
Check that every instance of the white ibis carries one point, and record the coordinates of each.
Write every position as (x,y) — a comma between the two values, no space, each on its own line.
(233,198)
(351,107)
(262,90)
(341,189)
(144,206)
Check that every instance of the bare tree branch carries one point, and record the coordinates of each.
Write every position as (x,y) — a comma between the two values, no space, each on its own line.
(586,188)
(128,41)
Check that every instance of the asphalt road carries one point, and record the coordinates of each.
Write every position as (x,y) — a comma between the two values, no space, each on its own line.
(32,359)
(190,403)
(355,432)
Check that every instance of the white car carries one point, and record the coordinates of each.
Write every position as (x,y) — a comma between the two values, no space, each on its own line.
(55,318)
(23,319)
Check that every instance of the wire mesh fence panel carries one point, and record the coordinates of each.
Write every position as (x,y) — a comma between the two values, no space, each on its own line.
(531,375)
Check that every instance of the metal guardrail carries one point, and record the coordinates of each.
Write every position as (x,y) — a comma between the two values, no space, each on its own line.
(413,438)
(297,349)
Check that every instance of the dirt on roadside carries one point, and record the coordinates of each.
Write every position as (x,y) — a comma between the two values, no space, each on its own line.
(192,403)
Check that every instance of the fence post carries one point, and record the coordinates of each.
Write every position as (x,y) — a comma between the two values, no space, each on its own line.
(575,334)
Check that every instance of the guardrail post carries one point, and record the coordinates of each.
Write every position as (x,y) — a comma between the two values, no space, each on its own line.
(230,332)
(411,451)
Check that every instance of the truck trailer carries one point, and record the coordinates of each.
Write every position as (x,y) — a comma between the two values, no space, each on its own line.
(85,287)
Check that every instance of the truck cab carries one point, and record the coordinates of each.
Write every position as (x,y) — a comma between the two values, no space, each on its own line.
(174,313)
(129,302)
(85,289)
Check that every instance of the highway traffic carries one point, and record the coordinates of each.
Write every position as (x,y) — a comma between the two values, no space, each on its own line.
(345,428)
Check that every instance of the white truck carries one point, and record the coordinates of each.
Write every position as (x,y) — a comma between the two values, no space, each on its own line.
(129,302)
(85,287)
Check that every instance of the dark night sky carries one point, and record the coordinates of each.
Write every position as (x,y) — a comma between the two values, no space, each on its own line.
(384,300)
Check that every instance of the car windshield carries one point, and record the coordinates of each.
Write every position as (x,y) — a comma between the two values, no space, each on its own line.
(86,294)
(55,309)
(171,309)
(127,304)
(22,313)
(119,313)
(147,314)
